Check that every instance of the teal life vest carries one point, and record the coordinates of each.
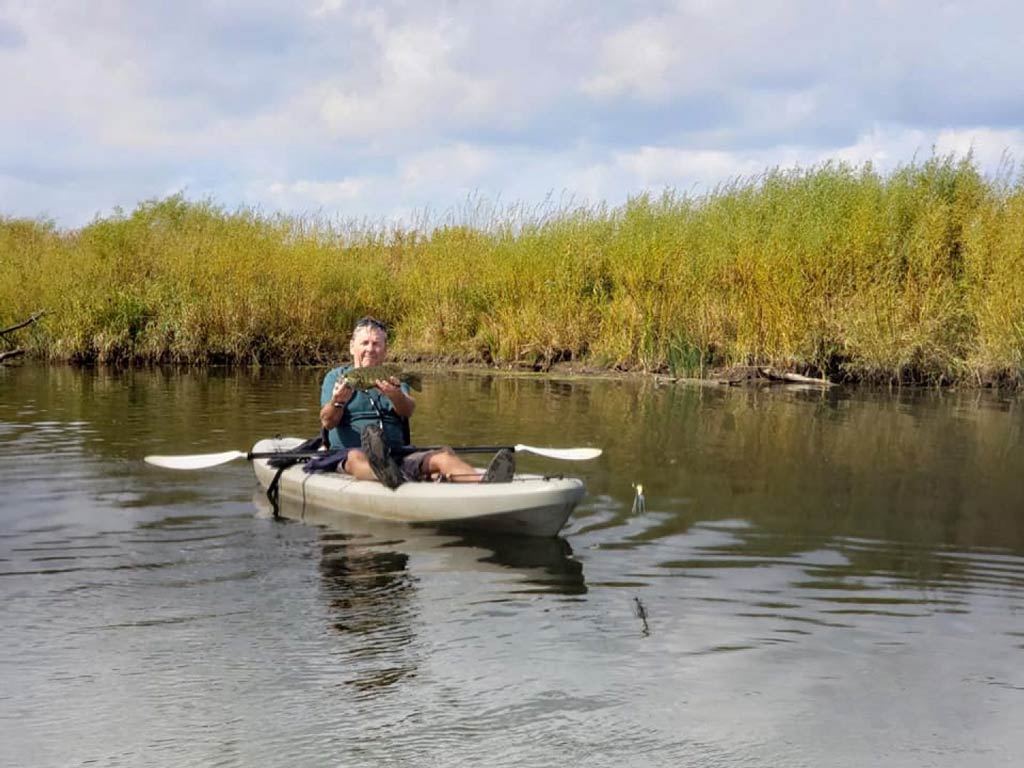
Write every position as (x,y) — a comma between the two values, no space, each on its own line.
(365,408)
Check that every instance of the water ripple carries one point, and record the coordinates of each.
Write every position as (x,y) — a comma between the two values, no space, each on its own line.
(756,614)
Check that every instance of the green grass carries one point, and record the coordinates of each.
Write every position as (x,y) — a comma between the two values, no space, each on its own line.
(911,276)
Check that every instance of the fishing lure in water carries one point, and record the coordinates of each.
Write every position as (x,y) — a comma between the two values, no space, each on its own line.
(639,501)
(641,613)
(366,378)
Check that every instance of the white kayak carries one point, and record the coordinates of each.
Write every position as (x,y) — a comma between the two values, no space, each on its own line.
(532,505)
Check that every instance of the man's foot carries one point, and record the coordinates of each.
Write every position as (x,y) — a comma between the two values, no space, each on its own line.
(377,453)
(502,467)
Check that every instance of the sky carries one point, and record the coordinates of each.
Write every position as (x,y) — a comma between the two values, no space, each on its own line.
(395,111)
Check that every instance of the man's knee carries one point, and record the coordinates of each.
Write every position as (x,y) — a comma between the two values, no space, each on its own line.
(435,460)
(443,460)
(353,461)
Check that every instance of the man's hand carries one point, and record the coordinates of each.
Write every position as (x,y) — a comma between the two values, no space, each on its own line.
(334,409)
(341,393)
(388,386)
(403,404)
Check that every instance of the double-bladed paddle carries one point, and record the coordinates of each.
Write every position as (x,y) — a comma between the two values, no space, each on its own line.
(205,460)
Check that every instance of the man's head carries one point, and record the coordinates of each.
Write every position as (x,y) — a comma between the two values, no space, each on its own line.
(369,344)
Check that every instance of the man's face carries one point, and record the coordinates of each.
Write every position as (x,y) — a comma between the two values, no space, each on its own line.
(369,346)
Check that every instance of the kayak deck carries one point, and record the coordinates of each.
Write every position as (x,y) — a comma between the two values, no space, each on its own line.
(532,505)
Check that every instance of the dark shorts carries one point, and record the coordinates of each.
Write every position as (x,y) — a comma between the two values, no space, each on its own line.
(412,465)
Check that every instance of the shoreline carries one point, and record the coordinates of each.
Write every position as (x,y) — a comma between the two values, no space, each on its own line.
(753,377)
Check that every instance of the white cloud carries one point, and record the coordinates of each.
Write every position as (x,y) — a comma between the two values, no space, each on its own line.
(315,194)
(889,146)
(328,7)
(458,166)
(704,47)
(697,171)
(885,146)
(659,167)
(417,85)
(381,105)
(989,147)
(637,62)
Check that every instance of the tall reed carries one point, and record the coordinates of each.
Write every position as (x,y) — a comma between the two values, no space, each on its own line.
(914,275)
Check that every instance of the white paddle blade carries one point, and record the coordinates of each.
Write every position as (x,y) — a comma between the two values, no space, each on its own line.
(198,461)
(567,454)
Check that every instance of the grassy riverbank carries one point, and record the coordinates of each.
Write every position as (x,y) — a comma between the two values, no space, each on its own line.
(916,275)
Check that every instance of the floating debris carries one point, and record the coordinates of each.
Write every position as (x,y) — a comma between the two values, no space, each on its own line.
(641,613)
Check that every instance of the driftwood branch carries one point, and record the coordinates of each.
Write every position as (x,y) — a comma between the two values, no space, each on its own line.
(773,375)
(22,324)
(764,376)
(7,354)
(12,353)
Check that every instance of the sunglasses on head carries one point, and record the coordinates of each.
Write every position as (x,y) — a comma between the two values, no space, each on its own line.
(371,322)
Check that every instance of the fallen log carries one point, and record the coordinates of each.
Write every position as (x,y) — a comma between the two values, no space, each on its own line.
(761,376)
(11,353)
(795,378)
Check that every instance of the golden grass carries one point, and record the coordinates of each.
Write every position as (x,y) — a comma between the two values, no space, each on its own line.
(912,276)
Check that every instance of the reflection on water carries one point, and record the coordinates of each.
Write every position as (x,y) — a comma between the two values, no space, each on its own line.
(531,563)
(548,564)
(369,595)
(818,578)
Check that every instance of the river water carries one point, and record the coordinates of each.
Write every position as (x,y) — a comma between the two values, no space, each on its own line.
(818,579)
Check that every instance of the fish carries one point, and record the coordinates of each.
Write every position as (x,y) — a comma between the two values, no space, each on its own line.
(366,378)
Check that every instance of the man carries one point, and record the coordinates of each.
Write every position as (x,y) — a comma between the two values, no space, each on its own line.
(368,424)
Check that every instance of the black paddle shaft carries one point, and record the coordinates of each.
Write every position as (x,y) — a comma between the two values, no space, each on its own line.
(406,450)
(403,451)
